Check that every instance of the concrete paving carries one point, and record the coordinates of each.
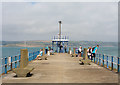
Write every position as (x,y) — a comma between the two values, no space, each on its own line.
(61,68)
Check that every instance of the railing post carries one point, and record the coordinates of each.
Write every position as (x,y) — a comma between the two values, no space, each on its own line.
(11,64)
(111,62)
(36,54)
(33,56)
(69,50)
(74,52)
(67,47)
(103,60)
(63,47)
(99,59)
(107,61)
(5,65)
(94,59)
(45,51)
(15,61)
(118,64)
(29,56)
(19,59)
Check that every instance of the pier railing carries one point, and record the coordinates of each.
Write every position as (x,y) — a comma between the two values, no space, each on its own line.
(62,38)
(110,62)
(12,62)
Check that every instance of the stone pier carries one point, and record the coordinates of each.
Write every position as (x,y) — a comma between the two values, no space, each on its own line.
(61,68)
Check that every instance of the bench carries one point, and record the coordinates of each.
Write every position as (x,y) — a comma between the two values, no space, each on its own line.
(23,72)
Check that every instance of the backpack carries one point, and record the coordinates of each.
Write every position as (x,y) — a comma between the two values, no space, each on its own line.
(93,48)
(89,50)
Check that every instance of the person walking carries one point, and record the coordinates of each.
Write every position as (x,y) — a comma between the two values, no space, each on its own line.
(94,52)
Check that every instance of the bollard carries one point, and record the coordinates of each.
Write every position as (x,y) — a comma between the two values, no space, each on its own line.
(24,58)
(85,53)
(74,52)
(24,69)
(111,62)
(85,60)
(69,50)
(43,51)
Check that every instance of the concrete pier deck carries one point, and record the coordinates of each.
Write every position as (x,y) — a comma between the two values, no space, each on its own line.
(61,68)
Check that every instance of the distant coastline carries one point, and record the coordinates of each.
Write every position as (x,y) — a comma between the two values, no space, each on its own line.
(22,45)
(43,43)
(40,43)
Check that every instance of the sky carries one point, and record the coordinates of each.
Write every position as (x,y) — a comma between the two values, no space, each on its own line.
(88,21)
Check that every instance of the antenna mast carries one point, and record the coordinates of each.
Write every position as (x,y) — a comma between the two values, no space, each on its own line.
(60,29)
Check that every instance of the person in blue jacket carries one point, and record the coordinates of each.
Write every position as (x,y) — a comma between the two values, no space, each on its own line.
(94,50)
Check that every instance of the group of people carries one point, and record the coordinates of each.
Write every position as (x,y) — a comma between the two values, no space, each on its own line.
(90,52)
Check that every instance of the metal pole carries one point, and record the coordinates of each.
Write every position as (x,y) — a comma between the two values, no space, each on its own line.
(107,61)
(63,47)
(67,47)
(5,65)
(60,29)
(111,62)
(118,65)
(103,60)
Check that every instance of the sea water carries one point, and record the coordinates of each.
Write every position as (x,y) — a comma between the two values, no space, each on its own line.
(12,51)
(104,48)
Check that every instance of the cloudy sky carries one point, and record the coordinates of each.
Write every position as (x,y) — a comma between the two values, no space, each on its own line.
(80,21)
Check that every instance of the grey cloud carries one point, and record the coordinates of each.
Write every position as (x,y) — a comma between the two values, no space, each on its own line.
(39,21)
